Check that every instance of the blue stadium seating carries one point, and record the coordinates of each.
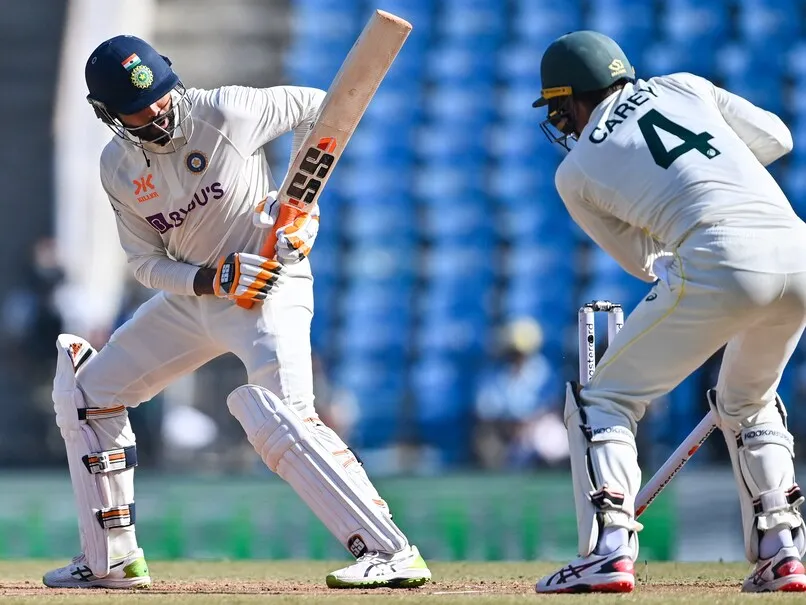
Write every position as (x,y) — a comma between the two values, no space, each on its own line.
(769,25)
(479,22)
(443,220)
(368,182)
(468,105)
(433,183)
(540,21)
(520,64)
(441,395)
(451,64)
(696,22)
(631,23)
(450,145)
(461,222)
(379,391)
(763,89)
(795,61)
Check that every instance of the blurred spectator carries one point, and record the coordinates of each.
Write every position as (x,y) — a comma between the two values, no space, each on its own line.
(518,409)
(336,406)
(30,324)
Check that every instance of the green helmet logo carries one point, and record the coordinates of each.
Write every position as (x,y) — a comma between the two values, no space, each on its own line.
(581,61)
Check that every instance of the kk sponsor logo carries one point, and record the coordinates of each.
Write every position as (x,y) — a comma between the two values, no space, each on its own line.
(144,188)
(162,223)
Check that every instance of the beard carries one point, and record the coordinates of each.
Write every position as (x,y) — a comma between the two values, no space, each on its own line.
(158,131)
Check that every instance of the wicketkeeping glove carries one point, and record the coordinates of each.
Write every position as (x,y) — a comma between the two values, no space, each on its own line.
(294,240)
(242,276)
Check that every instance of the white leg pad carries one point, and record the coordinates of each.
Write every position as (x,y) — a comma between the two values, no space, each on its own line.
(101,467)
(762,457)
(606,475)
(329,480)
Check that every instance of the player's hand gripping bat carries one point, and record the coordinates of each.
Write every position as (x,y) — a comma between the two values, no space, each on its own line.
(346,101)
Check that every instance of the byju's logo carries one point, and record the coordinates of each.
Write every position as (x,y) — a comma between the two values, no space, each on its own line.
(175,218)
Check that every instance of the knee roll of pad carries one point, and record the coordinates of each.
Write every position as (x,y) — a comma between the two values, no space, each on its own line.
(101,473)
(762,457)
(319,468)
(606,475)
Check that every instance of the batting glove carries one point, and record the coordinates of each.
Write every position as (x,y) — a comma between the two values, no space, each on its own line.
(242,276)
(294,240)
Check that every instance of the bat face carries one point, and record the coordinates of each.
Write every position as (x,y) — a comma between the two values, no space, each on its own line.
(306,183)
(347,98)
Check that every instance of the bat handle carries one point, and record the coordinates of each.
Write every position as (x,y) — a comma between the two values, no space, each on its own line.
(286,216)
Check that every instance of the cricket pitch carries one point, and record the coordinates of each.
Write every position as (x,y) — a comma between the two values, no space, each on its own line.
(208,582)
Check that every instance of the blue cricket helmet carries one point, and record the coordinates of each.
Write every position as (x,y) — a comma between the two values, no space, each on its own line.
(125,75)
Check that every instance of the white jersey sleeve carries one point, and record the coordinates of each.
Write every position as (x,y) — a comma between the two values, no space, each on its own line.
(633,248)
(762,131)
(146,255)
(255,116)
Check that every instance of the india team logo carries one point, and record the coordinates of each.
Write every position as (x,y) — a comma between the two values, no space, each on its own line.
(196,161)
(142,76)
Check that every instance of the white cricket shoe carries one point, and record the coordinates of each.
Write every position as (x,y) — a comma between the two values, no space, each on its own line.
(129,572)
(404,569)
(595,573)
(782,573)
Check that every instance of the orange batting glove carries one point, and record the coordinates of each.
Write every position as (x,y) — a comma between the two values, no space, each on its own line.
(294,240)
(242,276)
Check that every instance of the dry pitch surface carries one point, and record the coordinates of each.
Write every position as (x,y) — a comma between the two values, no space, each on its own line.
(303,582)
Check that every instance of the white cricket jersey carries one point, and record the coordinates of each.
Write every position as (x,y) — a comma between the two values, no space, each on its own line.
(674,153)
(183,210)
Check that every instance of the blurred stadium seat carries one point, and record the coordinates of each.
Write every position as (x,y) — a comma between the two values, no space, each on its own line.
(445,221)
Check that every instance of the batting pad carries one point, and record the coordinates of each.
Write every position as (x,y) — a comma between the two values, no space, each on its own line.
(289,447)
(605,472)
(102,477)
(762,457)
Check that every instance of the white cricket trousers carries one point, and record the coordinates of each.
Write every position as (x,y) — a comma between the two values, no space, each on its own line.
(706,303)
(172,335)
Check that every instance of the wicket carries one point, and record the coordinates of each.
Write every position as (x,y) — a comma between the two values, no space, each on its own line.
(587,366)
(587,333)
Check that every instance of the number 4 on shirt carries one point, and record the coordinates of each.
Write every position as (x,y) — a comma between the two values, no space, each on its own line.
(652,120)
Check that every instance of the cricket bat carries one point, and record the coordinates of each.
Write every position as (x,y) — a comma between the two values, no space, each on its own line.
(347,99)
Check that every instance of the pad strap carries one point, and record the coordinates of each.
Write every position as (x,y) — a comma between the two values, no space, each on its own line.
(111,460)
(116,516)
(776,506)
(85,414)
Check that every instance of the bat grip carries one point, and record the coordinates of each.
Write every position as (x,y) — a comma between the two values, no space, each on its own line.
(285,216)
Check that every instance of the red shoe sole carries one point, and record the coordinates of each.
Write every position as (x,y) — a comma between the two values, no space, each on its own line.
(797,586)
(612,587)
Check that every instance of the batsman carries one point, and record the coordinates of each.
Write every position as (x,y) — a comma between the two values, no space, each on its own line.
(190,186)
(668,176)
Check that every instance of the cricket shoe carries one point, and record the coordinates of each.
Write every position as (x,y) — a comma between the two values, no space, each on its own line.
(130,571)
(595,573)
(404,569)
(782,573)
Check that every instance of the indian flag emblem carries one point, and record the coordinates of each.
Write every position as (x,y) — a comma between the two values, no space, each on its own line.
(131,62)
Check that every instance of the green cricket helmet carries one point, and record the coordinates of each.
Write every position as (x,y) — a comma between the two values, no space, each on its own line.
(578,62)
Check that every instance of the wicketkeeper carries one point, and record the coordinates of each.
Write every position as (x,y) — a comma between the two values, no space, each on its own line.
(668,176)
